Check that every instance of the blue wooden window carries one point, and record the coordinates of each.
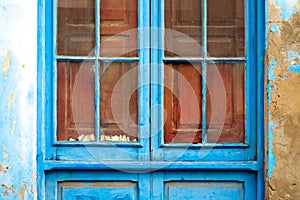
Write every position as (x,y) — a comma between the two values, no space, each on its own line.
(84,71)
(88,46)
(224,31)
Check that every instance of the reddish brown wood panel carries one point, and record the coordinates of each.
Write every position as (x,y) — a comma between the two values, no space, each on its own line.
(233,78)
(75,27)
(182,101)
(184,16)
(118,24)
(118,99)
(226,28)
(75,100)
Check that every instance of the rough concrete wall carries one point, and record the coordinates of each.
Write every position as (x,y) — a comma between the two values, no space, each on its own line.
(18,99)
(283,58)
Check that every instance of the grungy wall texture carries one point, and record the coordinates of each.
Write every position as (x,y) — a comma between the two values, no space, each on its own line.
(18,47)
(283,60)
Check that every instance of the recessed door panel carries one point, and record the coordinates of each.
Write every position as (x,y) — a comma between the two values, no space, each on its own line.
(204,191)
(98,190)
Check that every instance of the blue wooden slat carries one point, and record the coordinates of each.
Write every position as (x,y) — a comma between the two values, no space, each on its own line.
(157,185)
(41,96)
(155,98)
(75,58)
(122,59)
(182,59)
(204,154)
(143,78)
(204,45)
(97,101)
(96,72)
(51,185)
(144,185)
(261,48)
(96,175)
(208,145)
(251,79)
(207,175)
(160,73)
(152,165)
(54,73)
(91,153)
(103,59)
(98,144)
(226,60)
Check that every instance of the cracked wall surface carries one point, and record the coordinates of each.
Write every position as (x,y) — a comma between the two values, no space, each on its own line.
(283,61)
(18,47)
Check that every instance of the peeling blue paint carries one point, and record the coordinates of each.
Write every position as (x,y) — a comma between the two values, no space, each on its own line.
(18,133)
(288,8)
(292,55)
(275,27)
(272,66)
(295,68)
(285,77)
(271,157)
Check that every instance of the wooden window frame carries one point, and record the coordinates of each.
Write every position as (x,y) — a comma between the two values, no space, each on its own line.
(230,156)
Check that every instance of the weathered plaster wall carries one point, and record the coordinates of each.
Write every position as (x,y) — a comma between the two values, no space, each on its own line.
(283,60)
(18,46)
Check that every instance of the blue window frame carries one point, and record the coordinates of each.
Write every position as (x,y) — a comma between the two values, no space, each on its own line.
(65,150)
(208,151)
(237,162)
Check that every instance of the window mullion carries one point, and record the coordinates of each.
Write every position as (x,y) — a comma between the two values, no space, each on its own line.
(204,46)
(96,71)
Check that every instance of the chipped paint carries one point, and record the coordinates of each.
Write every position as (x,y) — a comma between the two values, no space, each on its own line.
(13,127)
(11,100)
(271,157)
(4,169)
(4,154)
(275,28)
(292,55)
(21,192)
(21,155)
(6,64)
(272,66)
(7,190)
(288,8)
(295,68)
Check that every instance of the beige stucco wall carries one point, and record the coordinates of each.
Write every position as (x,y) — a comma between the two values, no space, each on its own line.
(283,104)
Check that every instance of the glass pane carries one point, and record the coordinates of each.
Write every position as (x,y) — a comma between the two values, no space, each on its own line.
(226,28)
(118,102)
(75,101)
(118,21)
(182,103)
(76,27)
(233,81)
(184,19)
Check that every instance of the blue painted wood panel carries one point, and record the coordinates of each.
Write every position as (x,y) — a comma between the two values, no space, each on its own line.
(98,190)
(204,191)
(217,185)
(96,185)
